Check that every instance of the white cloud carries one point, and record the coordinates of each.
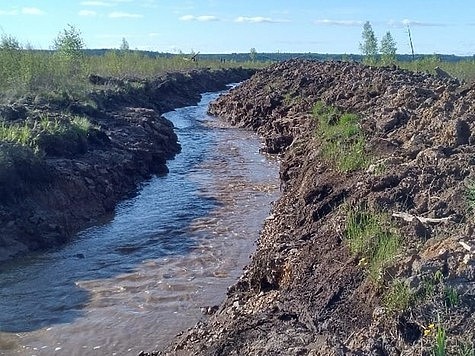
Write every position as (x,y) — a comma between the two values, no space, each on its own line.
(88,13)
(32,11)
(407,22)
(338,22)
(203,18)
(96,3)
(119,15)
(258,19)
(153,34)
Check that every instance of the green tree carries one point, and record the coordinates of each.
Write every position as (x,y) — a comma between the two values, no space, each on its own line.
(69,46)
(388,49)
(8,42)
(369,46)
(69,42)
(124,46)
(252,54)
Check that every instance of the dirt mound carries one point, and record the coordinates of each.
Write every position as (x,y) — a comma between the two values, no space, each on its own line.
(375,259)
(78,178)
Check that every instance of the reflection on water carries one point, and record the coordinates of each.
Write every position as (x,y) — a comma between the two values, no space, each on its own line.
(136,281)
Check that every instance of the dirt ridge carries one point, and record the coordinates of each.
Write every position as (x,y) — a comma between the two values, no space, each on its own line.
(304,292)
(73,187)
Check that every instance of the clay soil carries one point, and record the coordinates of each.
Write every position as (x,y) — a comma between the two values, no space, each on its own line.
(305,292)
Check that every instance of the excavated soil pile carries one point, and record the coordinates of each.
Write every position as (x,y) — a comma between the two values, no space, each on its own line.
(45,198)
(306,292)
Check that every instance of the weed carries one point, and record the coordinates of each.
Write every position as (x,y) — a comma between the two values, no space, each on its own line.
(398,297)
(465,349)
(451,297)
(378,168)
(427,289)
(440,346)
(15,133)
(431,286)
(81,124)
(370,235)
(470,195)
(51,136)
(342,139)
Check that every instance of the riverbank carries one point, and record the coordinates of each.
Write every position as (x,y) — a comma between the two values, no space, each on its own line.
(374,256)
(69,184)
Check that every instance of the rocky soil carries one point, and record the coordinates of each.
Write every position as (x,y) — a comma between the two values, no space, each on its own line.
(305,292)
(43,202)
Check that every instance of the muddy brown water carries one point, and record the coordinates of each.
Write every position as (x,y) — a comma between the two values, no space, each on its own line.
(135,281)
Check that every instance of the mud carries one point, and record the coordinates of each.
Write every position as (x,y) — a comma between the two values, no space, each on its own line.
(304,292)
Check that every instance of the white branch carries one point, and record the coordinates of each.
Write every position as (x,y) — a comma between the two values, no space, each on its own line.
(409,217)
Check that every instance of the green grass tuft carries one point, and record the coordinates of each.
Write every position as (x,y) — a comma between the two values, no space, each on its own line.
(370,236)
(398,297)
(343,142)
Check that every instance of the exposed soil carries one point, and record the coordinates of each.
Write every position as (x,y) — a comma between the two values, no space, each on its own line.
(45,201)
(304,292)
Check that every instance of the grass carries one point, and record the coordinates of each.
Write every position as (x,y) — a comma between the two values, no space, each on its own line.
(371,237)
(466,349)
(440,346)
(20,134)
(451,297)
(398,296)
(470,195)
(343,142)
(47,135)
(464,70)
(25,72)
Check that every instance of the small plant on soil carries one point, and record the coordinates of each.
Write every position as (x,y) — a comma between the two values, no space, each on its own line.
(371,237)
(14,133)
(49,134)
(451,297)
(440,346)
(342,140)
(471,195)
(465,349)
(398,297)
(430,287)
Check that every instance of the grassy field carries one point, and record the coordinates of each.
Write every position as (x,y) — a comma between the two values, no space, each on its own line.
(463,70)
(26,72)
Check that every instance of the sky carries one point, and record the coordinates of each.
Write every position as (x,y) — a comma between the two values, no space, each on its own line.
(229,26)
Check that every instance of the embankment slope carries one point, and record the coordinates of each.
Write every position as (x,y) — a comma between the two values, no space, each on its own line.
(305,292)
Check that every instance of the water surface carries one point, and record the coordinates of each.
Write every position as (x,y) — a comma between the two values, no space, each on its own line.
(137,280)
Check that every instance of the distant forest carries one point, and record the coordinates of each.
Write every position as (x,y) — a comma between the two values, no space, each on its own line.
(277,56)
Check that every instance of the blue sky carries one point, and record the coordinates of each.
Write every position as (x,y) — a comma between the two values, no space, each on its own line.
(226,26)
